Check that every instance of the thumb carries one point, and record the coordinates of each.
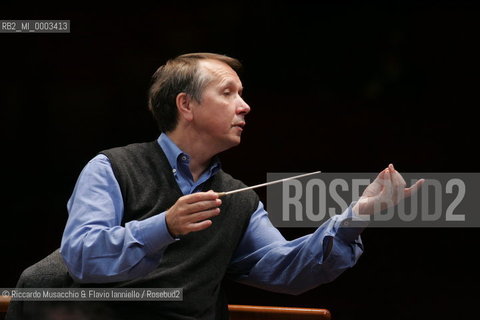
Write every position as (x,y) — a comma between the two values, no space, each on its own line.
(413,189)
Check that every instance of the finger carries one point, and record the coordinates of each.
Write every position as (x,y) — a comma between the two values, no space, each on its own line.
(387,185)
(380,178)
(377,185)
(398,185)
(199,216)
(397,177)
(413,189)
(381,175)
(200,196)
(201,206)
(199,226)
(385,176)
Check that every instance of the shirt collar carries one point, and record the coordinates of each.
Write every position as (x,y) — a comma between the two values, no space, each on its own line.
(174,154)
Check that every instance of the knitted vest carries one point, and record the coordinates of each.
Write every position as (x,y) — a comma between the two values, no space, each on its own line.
(197,262)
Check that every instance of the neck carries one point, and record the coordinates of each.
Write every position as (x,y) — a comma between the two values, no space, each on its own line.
(200,151)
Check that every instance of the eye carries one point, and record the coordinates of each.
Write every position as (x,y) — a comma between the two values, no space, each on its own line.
(227,92)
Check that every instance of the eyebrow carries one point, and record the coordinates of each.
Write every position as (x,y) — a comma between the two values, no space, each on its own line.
(230,83)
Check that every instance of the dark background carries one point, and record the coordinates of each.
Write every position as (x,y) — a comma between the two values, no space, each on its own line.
(337,87)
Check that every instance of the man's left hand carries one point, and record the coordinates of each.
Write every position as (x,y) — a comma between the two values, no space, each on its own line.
(388,189)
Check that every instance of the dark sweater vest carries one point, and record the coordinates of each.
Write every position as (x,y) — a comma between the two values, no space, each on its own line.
(199,261)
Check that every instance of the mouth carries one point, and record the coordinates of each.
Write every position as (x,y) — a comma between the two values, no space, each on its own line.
(239,124)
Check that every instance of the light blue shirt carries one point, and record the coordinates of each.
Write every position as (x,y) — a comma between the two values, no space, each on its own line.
(97,249)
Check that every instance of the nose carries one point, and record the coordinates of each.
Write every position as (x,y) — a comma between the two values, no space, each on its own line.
(243,107)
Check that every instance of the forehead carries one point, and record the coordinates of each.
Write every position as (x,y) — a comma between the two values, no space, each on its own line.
(219,72)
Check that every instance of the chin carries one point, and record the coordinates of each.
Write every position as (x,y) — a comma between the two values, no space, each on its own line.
(232,142)
(237,140)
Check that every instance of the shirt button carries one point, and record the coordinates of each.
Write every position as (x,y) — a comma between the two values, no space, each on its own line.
(184,158)
(174,170)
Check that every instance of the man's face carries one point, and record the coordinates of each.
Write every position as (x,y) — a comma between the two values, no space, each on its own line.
(220,116)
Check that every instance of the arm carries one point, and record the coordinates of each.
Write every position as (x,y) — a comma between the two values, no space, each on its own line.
(95,247)
(266,260)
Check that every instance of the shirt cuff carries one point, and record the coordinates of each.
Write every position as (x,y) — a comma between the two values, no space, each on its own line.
(155,233)
(351,225)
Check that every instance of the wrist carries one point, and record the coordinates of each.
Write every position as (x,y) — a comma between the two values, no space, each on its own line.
(167,225)
(359,211)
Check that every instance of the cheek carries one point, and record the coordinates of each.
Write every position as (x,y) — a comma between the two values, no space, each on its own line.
(224,114)
(218,113)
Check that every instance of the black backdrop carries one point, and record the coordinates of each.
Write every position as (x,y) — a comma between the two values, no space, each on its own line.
(333,87)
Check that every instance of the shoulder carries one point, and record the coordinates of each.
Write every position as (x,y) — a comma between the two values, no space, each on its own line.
(135,154)
(130,149)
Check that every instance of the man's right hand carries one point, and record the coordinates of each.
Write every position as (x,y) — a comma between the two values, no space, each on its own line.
(191,213)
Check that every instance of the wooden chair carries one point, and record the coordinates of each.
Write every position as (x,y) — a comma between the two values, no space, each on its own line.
(51,272)
(4,301)
(245,312)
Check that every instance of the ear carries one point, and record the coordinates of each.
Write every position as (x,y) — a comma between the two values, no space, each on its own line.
(184,106)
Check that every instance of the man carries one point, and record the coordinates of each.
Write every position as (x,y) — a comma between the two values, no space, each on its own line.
(147,215)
